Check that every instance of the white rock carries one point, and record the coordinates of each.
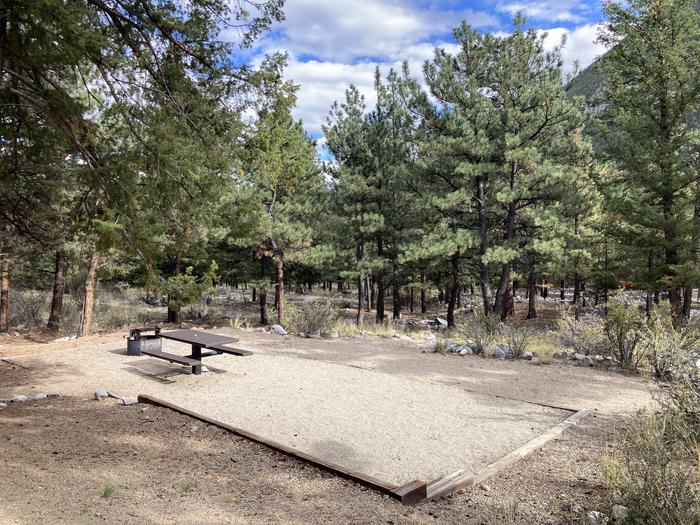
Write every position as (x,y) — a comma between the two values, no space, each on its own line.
(19,398)
(528,355)
(302,334)
(3,405)
(334,335)
(440,321)
(204,369)
(579,357)
(596,518)
(466,351)
(404,337)
(618,513)
(101,394)
(277,329)
(588,360)
(499,353)
(129,400)
(260,329)
(40,396)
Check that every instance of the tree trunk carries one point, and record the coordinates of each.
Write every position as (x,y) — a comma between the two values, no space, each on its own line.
(396,289)
(360,285)
(262,294)
(59,286)
(412,299)
(508,309)
(577,289)
(507,238)
(454,291)
(423,303)
(279,289)
(484,270)
(562,291)
(368,285)
(89,295)
(174,306)
(4,293)
(532,296)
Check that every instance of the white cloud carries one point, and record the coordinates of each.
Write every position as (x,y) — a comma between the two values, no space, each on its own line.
(562,11)
(347,31)
(581,46)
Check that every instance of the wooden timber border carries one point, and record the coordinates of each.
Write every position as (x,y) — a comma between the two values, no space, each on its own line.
(409,494)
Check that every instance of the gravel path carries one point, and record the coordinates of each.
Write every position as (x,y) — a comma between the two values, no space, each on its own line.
(389,426)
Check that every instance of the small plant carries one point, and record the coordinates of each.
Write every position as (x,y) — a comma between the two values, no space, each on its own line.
(584,337)
(84,509)
(653,474)
(482,330)
(622,327)
(317,317)
(187,486)
(238,323)
(108,491)
(519,339)
(228,499)
(440,346)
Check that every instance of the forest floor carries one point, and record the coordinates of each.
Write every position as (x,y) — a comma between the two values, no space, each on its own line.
(72,460)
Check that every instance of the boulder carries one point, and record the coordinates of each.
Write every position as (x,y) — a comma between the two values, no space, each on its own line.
(129,400)
(452,346)
(499,353)
(101,394)
(465,351)
(441,322)
(278,330)
(334,335)
(579,357)
(19,398)
(3,405)
(588,360)
(595,517)
(40,396)
(528,355)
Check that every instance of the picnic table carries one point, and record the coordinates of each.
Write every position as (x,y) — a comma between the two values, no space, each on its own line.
(199,340)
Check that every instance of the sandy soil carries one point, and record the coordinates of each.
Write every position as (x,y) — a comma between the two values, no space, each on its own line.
(57,456)
(146,460)
(387,426)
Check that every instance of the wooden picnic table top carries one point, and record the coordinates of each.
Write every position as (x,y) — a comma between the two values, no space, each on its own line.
(198,337)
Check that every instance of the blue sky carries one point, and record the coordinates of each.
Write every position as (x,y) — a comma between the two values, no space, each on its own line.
(332,43)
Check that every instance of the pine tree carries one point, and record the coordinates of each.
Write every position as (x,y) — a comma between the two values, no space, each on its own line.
(652,85)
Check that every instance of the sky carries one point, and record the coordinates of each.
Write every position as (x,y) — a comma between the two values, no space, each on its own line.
(333,43)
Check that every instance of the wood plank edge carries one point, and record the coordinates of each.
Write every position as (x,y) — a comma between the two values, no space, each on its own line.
(461,479)
(409,494)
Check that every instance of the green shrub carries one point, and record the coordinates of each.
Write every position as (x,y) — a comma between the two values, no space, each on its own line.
(317,317)
(481,329)
(519,339)
(666,348)
(584,337)
(623,331)
(654,474)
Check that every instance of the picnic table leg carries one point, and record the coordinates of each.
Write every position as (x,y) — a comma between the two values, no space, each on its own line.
(197,354)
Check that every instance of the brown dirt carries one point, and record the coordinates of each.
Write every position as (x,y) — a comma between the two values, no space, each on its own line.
(57,456)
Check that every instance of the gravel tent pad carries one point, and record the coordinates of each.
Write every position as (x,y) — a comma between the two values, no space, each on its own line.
(390,427)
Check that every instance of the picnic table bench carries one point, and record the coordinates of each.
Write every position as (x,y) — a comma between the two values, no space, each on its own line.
(199,340)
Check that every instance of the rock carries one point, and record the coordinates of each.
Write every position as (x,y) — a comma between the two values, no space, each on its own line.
(15,334)
(528,355)
(440,322)
(430,338)
(579,357)
(334,335)
(54,396)
(101,394)
(66,338)
(618,513)
(535,354)
(452,346)
(465,351)
(204,369)
(499,353)
(404,337)
(40,396)
(588,360)
(302,334)
(535,360)
(3,405)
(129,400)
(505,348)
(697,363)
(260,329)
(484,487)
(278,330)
(595,517)
(146,408)
(19,398)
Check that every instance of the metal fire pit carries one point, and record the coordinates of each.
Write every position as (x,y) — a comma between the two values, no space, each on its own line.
(138,341)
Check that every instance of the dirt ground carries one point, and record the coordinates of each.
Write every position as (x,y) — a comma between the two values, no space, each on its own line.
(59,457)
